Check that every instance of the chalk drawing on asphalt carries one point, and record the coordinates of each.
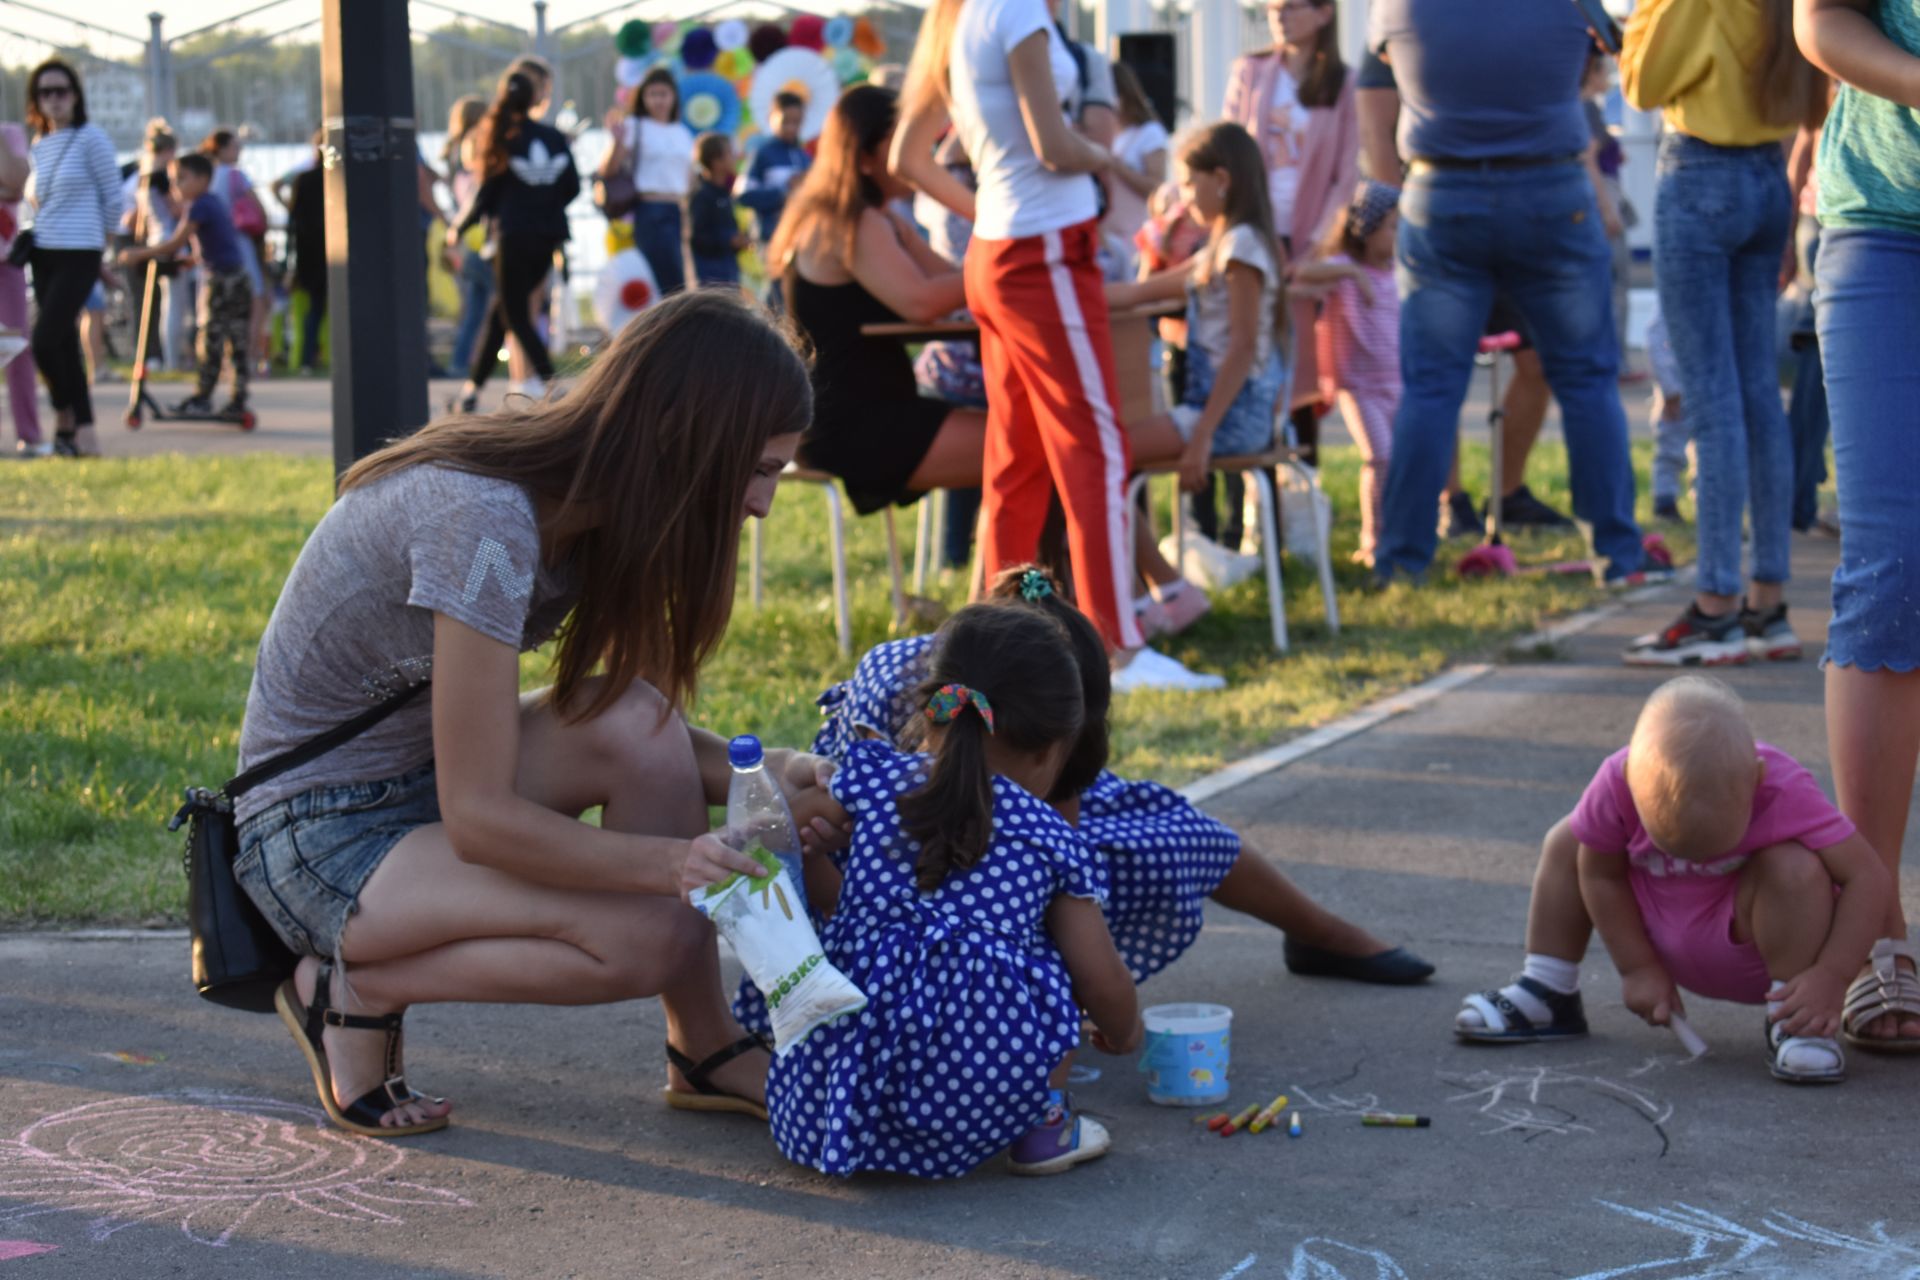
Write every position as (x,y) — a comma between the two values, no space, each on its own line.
(1321,1258)
(1774,1244)
(206,1161)
(1552,1101)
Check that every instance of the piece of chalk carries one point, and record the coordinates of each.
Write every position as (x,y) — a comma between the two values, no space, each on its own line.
(1268,1114)
(1293,1126)
(1204,1118)
(1689,1038)
(1387,1120)
(1214,1122)
(1240,1121)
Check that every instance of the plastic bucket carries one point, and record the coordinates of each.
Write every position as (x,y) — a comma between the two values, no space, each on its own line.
(1185,1059)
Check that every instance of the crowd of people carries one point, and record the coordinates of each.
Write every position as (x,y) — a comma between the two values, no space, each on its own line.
(994,889)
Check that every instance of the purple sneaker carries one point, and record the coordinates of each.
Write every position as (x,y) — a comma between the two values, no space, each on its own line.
(1059,1142)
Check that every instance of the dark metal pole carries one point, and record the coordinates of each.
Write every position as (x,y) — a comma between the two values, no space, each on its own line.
(376,271)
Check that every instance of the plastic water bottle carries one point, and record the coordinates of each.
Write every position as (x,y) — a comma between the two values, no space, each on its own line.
(757,811)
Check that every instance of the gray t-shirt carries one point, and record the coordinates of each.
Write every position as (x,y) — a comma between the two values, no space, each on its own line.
(354,624)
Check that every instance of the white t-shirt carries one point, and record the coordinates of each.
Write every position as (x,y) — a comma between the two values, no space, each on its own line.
(665,154)
(1127,211)
(1287,130)
(1018,196)
(1208,302)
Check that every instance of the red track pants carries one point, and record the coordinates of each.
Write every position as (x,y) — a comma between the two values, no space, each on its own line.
(1052,415)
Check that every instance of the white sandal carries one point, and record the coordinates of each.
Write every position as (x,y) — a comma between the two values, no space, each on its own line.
(1787,1057)
(1885,989)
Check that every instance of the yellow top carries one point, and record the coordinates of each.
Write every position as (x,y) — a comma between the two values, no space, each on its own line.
(1694,60)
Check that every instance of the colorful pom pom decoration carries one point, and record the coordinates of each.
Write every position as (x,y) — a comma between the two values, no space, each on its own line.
(809,31)
(767,39)
(634,39)
(697,49)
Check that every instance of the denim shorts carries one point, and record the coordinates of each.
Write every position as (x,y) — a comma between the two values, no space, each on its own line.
(1247,426)
(1867,302)
(304,860)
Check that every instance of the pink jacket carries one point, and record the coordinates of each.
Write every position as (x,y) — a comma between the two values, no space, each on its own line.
(1329,170)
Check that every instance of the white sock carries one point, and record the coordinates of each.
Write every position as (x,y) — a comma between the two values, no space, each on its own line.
(1551,971)
(1142,603)
(1170,590)
(1558,975)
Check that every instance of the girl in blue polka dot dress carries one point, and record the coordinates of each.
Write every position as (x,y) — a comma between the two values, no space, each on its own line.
(970,914)
(1165,857)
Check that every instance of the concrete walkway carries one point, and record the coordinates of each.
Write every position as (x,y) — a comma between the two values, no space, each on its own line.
(296,417)
(144,1133)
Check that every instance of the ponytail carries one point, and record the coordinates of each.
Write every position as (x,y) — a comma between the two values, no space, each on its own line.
(952,816)
(999,672)
(510,107)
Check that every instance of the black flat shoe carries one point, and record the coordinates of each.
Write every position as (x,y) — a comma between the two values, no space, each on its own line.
(1398,967)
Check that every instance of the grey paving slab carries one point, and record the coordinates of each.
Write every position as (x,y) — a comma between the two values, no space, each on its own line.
(1604,1158)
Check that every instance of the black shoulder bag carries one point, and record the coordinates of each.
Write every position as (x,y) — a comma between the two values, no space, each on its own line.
(238,960)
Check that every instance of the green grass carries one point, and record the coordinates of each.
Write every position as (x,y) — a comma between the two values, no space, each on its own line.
(134,594)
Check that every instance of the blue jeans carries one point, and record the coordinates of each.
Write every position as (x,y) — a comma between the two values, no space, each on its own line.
(476,299)
(1535,235)
(1721,218)
(305,860)
(716,270)
(656,234)
(1868,306)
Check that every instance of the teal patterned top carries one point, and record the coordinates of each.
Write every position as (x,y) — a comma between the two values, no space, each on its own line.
(1870,151)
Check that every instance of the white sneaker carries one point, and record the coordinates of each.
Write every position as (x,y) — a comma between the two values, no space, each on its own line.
(1151,669)
(34,448)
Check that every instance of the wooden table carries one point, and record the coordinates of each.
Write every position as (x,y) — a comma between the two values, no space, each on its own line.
(1132,329)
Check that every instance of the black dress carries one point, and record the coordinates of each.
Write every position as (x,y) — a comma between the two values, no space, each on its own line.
(871,427)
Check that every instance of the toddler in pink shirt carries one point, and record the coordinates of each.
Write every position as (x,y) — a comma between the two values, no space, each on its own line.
(1709,862)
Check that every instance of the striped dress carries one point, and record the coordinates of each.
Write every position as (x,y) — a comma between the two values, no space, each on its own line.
(1359,356)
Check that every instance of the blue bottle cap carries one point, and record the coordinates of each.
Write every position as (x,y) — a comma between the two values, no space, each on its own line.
(744,751)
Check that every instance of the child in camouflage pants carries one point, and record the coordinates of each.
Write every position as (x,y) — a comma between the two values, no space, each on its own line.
(226,319)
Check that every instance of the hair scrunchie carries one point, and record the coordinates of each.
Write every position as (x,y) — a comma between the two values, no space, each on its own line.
(1034,586)
(950,700)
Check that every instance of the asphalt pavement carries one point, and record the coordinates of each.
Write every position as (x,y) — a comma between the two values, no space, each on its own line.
(144,1133)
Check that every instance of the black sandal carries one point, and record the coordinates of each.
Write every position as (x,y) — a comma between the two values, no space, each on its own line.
(1567,1016)
(309,1022)
(706,1095)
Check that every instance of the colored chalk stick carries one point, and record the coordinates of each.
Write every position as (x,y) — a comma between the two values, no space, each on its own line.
(1240,1121)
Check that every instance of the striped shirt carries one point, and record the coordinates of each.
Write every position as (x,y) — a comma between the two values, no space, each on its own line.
(1360,340)
(75,188)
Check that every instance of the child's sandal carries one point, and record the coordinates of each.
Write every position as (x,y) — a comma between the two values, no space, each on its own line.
(1504,1022)
(309,1022)
(1804,1059)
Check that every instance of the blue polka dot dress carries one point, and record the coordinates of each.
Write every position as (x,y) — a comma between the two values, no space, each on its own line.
(969,1005)
(1166,857)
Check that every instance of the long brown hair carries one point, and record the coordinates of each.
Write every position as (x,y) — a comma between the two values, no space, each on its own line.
(511,105)
(1023,662)
(1226,146)
(834,193)
(1786,87)
(462,119)
(38,122)
(659,439)
(1134,106)
(932,50)
(1326,71)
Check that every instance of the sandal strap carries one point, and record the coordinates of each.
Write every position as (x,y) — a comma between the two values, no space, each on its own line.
(1873,995)
(363,1022)
(697,1072)
(370,1107)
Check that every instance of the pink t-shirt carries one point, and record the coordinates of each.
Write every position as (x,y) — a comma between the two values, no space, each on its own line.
(1788,806)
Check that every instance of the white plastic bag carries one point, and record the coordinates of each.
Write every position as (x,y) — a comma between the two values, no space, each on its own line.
(765,921)
(1306,514)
